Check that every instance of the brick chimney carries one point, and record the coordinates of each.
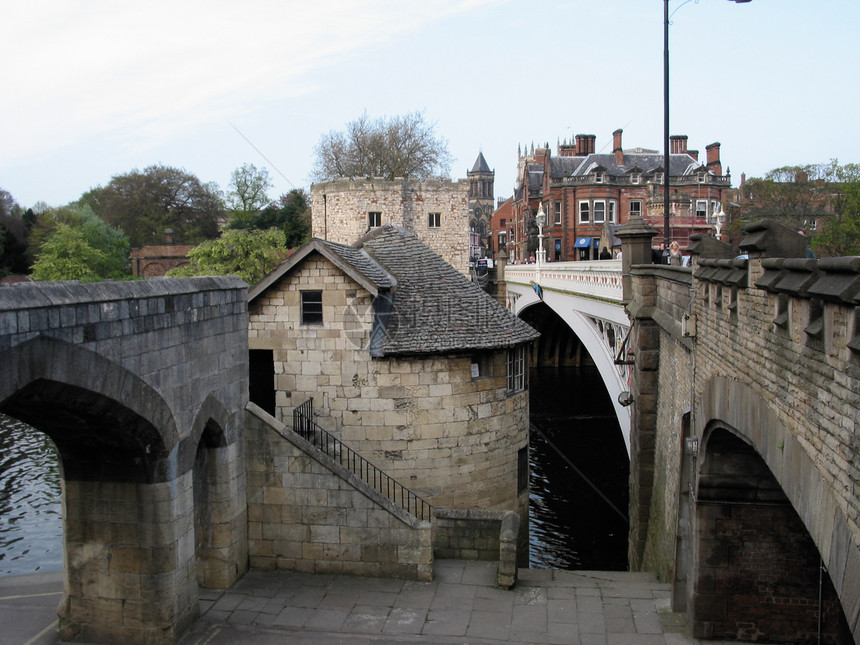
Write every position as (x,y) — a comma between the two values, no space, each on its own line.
(168,236)
(616,147)
(694,154)
(585,144)
(566,150)
(714,165)
(678,144)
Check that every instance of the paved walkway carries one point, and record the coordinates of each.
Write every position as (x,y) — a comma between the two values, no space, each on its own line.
(461,605)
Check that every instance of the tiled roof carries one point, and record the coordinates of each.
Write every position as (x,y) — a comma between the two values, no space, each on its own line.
(680,164)
(480,164)
(435,308)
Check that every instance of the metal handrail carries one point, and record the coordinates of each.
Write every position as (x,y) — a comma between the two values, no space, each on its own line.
(305,426)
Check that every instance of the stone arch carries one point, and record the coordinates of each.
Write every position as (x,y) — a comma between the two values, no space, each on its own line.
(107,423)
(126,575)
(220,524)
(729,408)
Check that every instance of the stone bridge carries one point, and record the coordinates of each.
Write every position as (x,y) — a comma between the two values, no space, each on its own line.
(142,386)
(744,427)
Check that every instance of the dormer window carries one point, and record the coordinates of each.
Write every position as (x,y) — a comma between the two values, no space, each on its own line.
(702,178)
(658,177)
(598,177)
(634,178)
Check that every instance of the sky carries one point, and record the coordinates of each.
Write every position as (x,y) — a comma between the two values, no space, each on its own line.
(97,88)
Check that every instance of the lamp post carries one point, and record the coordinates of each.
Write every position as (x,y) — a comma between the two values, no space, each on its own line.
(666,17)
(540,220)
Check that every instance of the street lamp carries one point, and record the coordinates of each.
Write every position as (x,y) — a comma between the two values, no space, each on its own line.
(666,17)
(540,220)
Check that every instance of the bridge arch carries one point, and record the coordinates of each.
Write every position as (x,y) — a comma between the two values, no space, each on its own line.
(600,328)
(128,574)
(754,476)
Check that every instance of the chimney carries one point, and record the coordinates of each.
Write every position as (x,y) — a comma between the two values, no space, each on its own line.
(678,144)
(694,154)
(714,165)
(616,147)
(168,236)
(585,144)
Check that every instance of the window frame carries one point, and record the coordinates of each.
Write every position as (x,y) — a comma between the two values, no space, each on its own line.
(515,369)
(594,205)
(637,210)
(557,212)
(434,220)
(311,310)
(704,203)
(374,222)
(611,208)
(584,207)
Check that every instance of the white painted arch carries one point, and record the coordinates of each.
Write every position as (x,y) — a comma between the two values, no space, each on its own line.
(585,316)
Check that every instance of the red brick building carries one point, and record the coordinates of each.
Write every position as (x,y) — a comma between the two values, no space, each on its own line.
(582,192)
(154,260)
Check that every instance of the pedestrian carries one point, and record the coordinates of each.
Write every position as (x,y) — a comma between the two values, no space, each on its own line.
(675,257)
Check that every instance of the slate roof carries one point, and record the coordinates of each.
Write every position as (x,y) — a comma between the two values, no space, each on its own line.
(480,164)
(435,307)
(422,305)
(680,164)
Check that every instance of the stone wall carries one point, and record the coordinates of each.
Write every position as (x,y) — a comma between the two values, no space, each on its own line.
(340,210)
(136,382)
(771,352)
(425,421)
(307,513)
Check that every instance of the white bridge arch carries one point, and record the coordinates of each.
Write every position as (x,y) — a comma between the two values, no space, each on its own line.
(588,297)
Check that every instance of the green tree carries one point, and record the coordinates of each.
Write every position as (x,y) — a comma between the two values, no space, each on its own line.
(793,194)
(400,146)
(840,235)
(110,240)
(145,203)
(251,255)
(291,214)
(66,255)
(248,190)
(14,237)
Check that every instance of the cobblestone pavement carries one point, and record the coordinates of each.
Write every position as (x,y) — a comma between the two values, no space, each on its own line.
(462,605)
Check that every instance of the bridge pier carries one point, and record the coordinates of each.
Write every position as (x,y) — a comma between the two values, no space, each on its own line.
(130,565)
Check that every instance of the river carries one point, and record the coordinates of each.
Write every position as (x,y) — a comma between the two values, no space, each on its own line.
(578,482)
(579,473)
(31,527)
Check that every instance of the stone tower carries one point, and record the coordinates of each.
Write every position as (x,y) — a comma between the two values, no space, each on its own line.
(481,203)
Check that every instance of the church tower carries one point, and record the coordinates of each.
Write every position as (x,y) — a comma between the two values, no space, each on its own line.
(481,205)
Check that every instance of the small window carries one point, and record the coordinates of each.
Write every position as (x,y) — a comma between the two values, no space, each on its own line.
(374,219)
(516,369)
(312,309)
(557,207)
(598,177)
(522,470)
(634,178)
(481,365)
(599,212)
(611,205)
(701,208)
(701,178)
(635,208)
(584,214)
(434,220)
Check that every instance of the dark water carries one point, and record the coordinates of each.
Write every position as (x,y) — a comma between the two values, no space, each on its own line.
(576,447)
(31,528)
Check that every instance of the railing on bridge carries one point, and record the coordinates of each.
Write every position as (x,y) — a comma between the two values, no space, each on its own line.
(599,279)
(305,426)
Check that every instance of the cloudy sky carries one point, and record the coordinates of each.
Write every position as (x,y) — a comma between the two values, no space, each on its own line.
(96,88)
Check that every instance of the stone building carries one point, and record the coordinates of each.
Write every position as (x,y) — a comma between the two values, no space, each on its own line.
(481,187)
(435,211)
(155,260)
(581,190)
(408,363)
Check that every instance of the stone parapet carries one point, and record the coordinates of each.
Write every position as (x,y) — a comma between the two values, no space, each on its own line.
(308,513)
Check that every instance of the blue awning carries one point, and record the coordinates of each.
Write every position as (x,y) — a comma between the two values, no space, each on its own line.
(582,242)
(596,242)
